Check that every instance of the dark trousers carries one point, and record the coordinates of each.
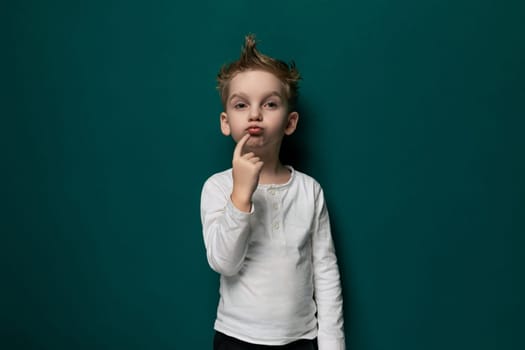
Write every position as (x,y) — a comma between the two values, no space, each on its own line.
(225,342)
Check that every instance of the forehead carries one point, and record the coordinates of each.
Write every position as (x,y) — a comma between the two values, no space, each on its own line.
(255,82)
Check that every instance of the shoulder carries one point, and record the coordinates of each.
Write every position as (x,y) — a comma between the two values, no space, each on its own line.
(222,176)
(303,177)
(221,181)
(307,182)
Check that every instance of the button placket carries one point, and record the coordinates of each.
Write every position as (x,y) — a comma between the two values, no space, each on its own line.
(275,222)
(276,215)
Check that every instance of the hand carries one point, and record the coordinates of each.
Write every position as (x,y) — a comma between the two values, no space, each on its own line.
(246,171)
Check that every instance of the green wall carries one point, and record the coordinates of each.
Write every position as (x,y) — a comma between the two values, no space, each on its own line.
(412,120)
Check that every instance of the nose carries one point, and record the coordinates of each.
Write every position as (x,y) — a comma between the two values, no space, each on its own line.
(255,113)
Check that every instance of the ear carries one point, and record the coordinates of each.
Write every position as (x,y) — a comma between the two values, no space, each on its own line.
(291,125)
(225,126)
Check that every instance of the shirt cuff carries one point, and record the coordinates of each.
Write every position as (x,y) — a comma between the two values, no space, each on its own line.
(236,212)
(330,343)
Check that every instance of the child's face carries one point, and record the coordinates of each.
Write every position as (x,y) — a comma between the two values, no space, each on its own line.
(256,104)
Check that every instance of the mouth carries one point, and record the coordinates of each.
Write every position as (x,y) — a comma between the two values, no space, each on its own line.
(254,130)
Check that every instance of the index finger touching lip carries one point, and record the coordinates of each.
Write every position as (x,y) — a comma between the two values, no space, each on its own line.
(238,148)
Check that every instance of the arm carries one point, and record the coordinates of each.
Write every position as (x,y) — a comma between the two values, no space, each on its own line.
(327,285)
(226,230)
(225,215)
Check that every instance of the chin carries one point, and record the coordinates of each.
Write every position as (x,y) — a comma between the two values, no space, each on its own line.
(254,143)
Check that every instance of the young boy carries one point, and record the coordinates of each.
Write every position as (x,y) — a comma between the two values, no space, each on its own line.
(265,225)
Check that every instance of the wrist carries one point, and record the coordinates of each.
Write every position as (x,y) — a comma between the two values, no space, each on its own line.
(242,203)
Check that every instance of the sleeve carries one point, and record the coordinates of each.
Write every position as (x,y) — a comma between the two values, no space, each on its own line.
(226,229)
(327,286)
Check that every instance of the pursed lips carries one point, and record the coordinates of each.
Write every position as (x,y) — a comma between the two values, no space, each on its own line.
(254,130)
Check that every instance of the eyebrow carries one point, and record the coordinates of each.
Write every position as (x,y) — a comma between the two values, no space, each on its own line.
(242,95)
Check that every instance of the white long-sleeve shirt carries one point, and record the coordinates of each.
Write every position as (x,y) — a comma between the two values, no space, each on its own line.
(277,263)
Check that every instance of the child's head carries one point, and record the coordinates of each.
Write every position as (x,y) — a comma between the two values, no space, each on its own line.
(252,59)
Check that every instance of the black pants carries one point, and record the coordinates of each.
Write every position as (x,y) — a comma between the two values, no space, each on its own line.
(225,342)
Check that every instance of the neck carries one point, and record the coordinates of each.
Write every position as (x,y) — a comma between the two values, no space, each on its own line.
(274,172)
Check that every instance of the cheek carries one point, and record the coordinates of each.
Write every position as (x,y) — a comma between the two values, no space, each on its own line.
(281,121)
(237,131)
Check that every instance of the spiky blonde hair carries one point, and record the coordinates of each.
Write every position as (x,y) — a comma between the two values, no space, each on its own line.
(252,59)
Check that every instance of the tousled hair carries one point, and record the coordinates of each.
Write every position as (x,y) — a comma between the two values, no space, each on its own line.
(252,59)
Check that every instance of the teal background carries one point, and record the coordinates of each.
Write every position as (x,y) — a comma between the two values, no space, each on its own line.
(412,119)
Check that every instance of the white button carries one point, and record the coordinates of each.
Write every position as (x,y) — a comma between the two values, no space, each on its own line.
(275,206)
(275,225)
(271,191)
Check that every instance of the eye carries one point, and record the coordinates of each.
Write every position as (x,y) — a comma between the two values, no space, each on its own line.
(239,105)
(271,105)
